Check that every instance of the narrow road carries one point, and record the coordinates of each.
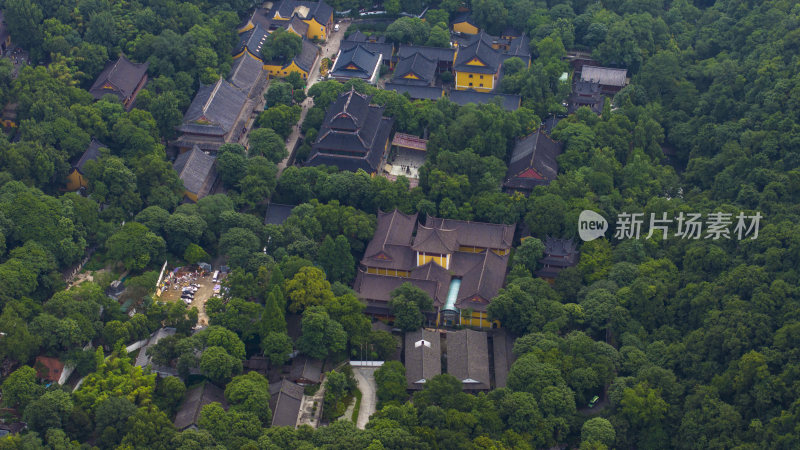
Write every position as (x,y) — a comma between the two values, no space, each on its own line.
(329,50)
(365,377)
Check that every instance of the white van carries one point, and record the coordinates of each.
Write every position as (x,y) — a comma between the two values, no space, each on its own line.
(215,278)
(336,27)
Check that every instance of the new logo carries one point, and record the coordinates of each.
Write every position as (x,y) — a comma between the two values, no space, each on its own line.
(591,225)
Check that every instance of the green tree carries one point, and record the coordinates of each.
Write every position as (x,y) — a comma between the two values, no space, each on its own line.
(249,393)
(529,253)
(321,334)
(598,430)
(439,37)
(20,388)
(280,118)
(265,142)
(384,344)
(149,428)
(218,365)
(273,319)
(336,259)
(169,394)
(24,20)
(277,346)
(307,288)
(281,46)
(490,15)
(115,375)
(51,410)
(182,230)
(195,254)
(135,246)
(166,112)
(408,30)
(111,419)
(391,381)
(407,305)
(279,93)
(231,164)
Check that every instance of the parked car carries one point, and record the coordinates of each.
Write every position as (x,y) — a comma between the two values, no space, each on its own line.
(336,27)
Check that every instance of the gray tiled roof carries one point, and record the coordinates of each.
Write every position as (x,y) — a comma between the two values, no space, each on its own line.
(143,359)
(297,25)
(537,152)
(305,59)
(418,65)
(359,57)
(480,282)
(277,213)
(197,170)
(123,74)
(390,246)
(478,234)
(468,358)
(422,357)
(384,48)
(558,254)
(440,241)
(306,369)
(252,40)
(285,400)
(214,109)
(483,51)
(353,135)
(438,54)
(193,403)
(502,344)
(482,273)
(416,92)
(378,288)
(318,10)
(462,16)
(91,154)
(510,102)
(246,73)
(604,75)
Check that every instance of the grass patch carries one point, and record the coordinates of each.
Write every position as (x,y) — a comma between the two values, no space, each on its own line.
(357,394)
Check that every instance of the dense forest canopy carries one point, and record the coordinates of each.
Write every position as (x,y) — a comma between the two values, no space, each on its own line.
(689,343)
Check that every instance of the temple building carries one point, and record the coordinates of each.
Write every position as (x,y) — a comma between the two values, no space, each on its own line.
(122,78)
(559,254)
(354,135)
(533,163)
(217,115)
(461,265)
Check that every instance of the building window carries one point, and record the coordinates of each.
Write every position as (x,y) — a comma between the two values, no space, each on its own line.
(481,84)
(470,84)
(481,77)
(470,75)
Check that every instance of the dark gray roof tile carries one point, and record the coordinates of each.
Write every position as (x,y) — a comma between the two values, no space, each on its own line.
(193,403)
(468,358)
(416,92)
(423,355)
(121,76)
(197,170)
(285,400)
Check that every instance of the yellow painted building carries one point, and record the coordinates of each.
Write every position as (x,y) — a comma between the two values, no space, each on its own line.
(477,66)
(301,64)
(466,28)
(462,23)
(317,15)
(279,71)
(76,179)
